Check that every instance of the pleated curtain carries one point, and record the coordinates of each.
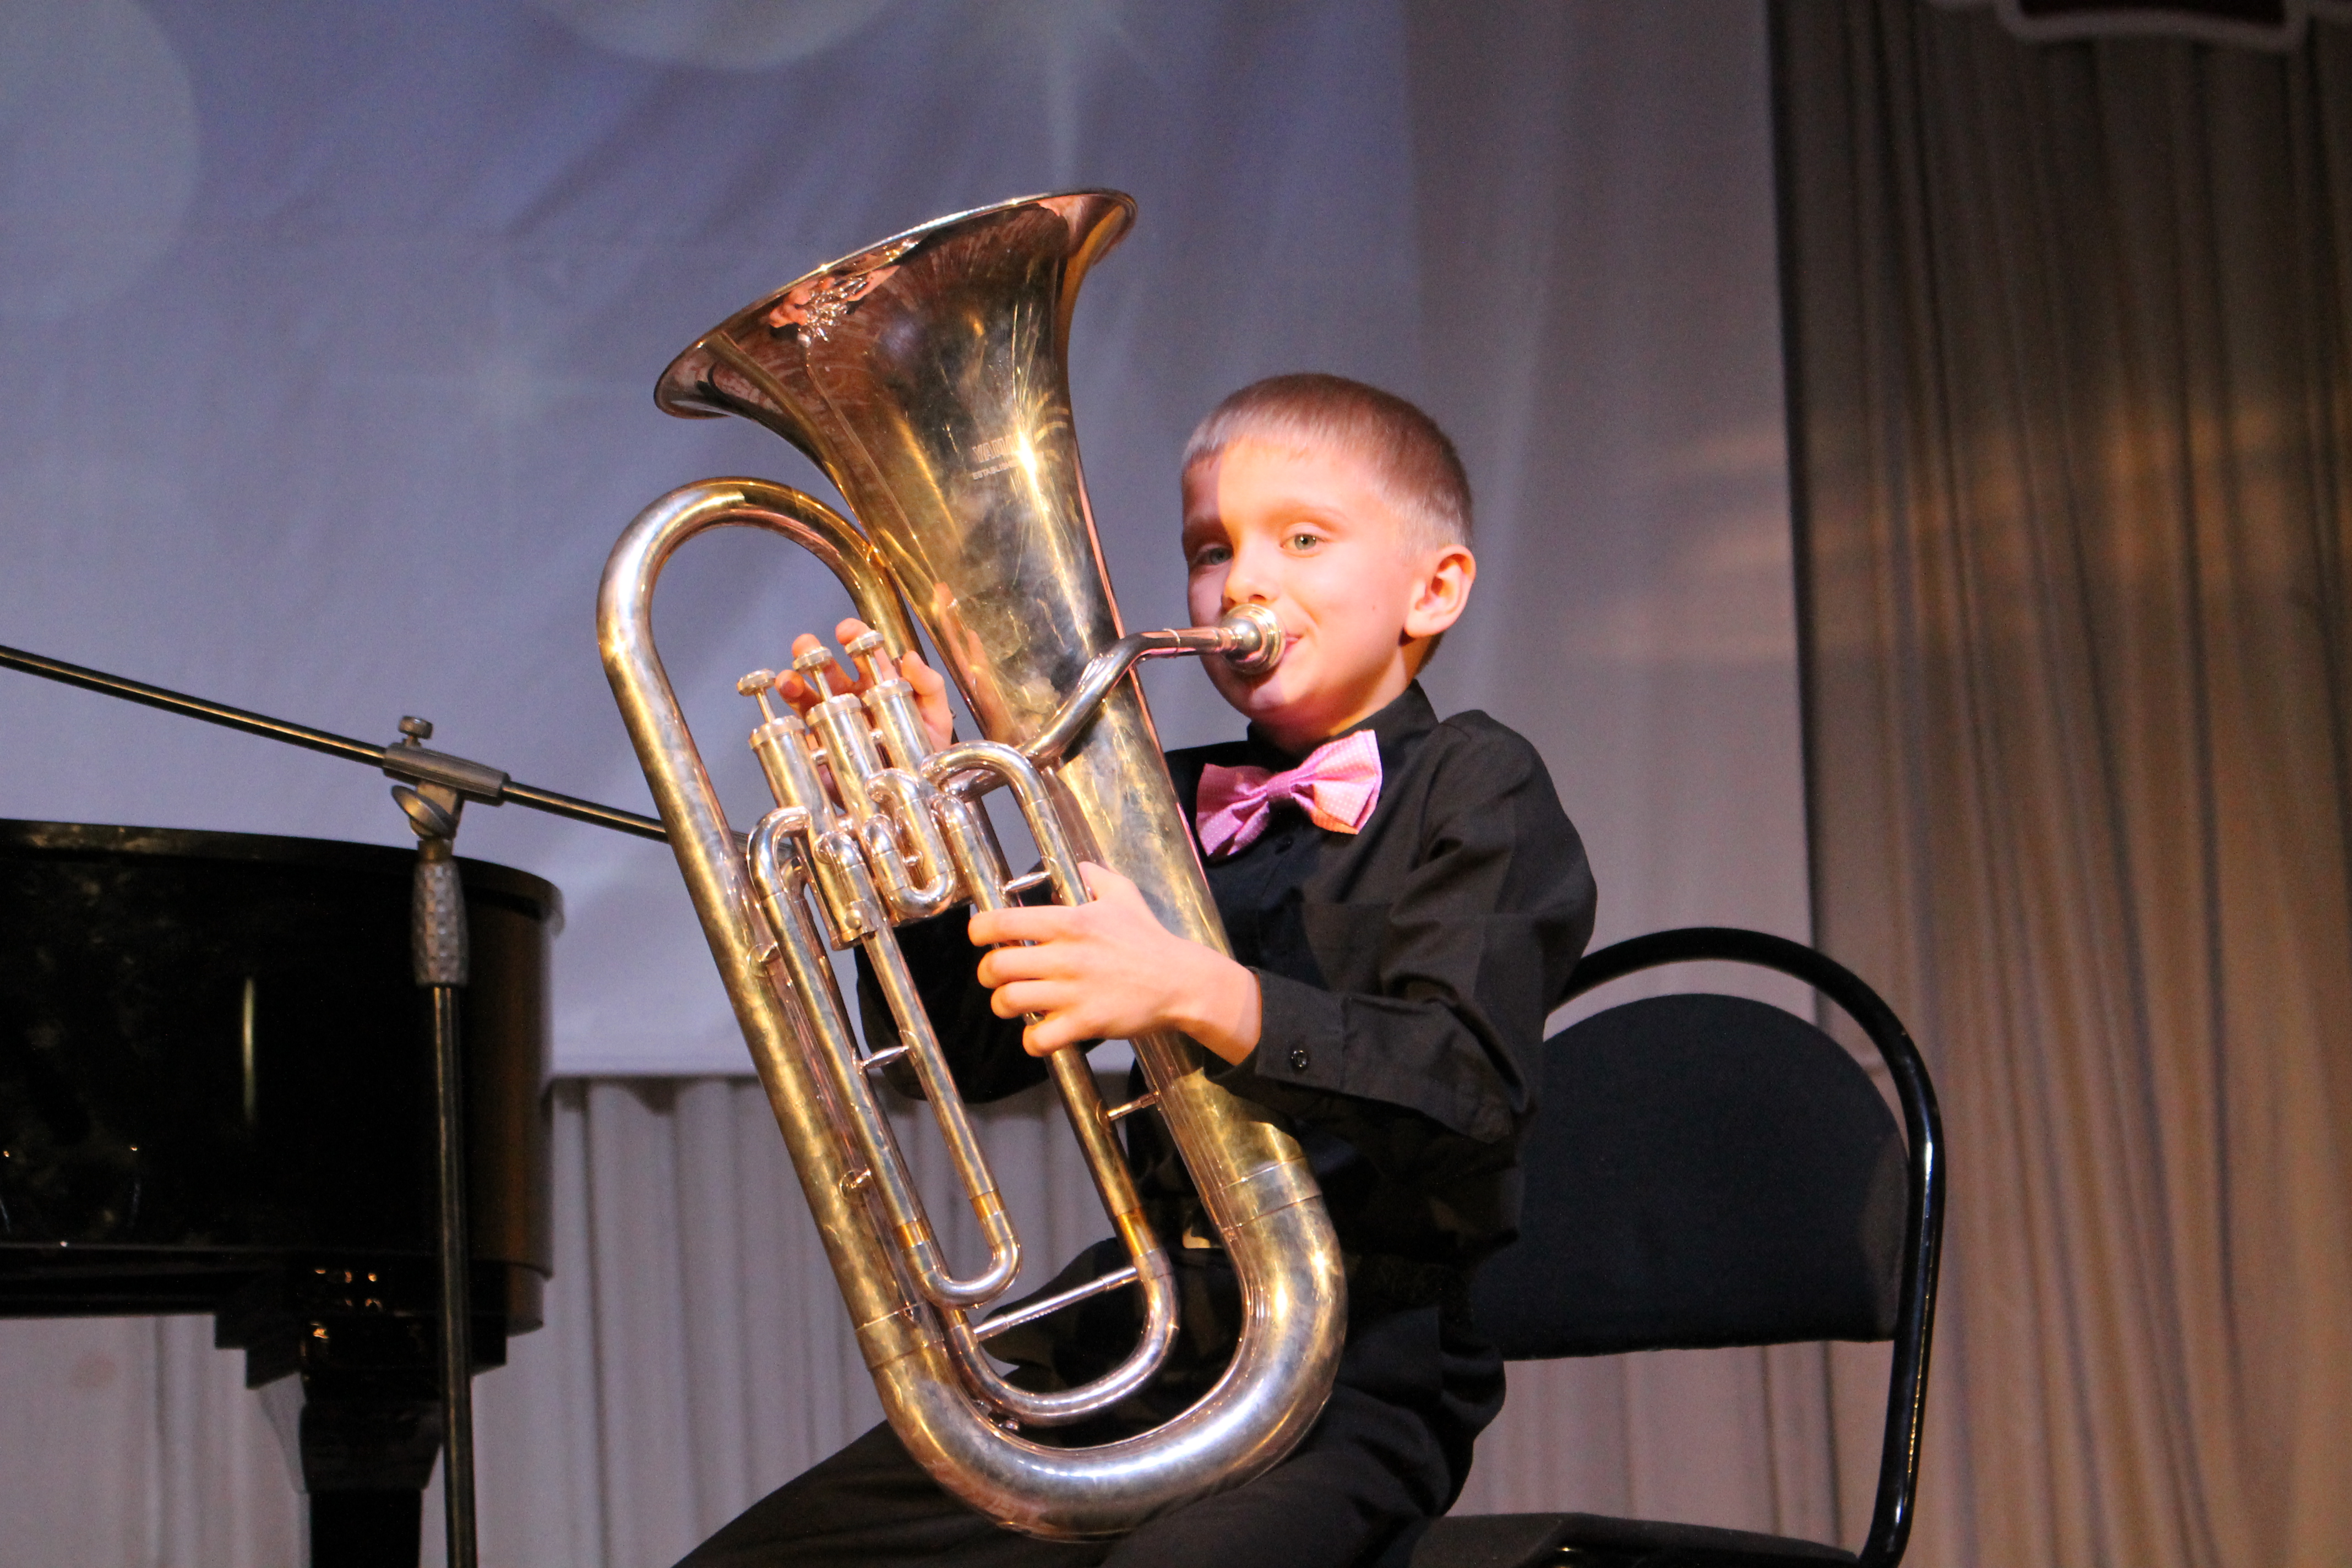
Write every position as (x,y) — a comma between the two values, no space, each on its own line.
(2071,380)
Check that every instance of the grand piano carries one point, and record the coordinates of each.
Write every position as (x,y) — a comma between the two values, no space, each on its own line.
(216,1096)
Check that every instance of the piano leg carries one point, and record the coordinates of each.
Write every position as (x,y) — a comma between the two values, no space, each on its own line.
(366,1530)
(367,1439)
(349,1358)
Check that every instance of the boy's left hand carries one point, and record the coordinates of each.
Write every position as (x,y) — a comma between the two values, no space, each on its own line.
(1109,971)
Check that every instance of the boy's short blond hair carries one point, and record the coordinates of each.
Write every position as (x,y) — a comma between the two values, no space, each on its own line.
(1413,462)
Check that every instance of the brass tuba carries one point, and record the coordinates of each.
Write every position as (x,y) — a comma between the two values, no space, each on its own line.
(928,377)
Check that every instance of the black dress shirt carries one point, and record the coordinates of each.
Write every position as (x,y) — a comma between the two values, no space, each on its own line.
(1406,970)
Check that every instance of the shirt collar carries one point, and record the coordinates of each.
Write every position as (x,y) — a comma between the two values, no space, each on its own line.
(1406,717)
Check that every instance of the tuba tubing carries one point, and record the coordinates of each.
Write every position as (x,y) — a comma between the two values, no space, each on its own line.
(1250,1177)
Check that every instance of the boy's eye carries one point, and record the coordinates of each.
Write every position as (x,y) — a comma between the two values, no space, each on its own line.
(1304,542)
(1211,555)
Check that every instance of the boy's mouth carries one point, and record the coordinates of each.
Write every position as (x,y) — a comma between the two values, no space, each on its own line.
(1290,641)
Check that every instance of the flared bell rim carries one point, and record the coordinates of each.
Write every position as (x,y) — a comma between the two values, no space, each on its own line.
(1098,218)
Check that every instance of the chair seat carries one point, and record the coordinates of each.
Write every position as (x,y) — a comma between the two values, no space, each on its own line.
(1594,1540)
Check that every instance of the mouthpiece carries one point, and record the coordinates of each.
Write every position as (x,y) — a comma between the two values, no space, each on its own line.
(1257,645)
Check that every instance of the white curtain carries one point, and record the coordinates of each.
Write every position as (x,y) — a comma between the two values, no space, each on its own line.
(696,1356)
(324,389)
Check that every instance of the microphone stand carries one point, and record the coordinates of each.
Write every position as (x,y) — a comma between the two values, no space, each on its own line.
(432,791)
(437,944)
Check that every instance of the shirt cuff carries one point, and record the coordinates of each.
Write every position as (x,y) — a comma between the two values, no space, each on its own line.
(1301,1035)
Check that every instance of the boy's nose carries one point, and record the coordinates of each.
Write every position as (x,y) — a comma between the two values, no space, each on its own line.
(1246,581)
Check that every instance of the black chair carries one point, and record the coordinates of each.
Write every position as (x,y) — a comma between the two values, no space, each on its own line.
(1710,1171)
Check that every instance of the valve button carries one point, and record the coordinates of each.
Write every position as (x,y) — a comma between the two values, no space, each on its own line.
(815,665)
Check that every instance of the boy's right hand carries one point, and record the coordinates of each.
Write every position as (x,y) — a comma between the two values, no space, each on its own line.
(1107,969)
(930,687)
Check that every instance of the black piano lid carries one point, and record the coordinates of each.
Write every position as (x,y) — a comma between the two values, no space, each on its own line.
(87,838)
(213,1054)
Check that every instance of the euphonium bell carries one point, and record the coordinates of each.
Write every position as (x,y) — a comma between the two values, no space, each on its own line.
(928,377)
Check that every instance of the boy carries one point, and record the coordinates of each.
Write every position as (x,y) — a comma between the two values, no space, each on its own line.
(1404,901)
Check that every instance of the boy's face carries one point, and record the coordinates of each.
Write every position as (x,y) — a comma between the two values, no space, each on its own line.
(1309,534)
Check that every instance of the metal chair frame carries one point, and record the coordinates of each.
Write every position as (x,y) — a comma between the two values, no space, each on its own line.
(1898,1472)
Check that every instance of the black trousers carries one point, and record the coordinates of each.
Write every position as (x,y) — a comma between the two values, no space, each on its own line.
(1388,1453)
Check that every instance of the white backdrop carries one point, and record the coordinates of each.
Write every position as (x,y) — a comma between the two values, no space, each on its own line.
(331,337)
(324,388)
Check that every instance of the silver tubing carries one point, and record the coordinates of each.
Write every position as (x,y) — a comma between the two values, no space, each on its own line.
(1250,637)
(770,851)
(922,880)
(1148,1267)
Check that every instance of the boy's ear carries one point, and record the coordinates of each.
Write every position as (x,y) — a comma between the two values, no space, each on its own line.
(1443,592)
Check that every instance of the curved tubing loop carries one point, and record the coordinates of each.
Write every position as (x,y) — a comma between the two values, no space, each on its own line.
(905,848)
(1059,1409)
(779,865)
(961,770)
(1147,1269)
(1230,1435)
(880,945)
(807,521)
(1247,1421)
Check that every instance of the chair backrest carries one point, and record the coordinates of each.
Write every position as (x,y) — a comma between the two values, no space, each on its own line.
(1702,1170)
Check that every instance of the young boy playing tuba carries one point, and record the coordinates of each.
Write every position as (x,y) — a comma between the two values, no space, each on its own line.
(1404,901)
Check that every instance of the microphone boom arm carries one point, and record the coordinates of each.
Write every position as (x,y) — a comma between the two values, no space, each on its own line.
(406,760)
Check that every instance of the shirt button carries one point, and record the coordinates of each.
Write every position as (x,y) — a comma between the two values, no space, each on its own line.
(1299,1059)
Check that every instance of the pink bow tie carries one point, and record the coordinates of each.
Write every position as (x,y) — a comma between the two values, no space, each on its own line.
(1338,784)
